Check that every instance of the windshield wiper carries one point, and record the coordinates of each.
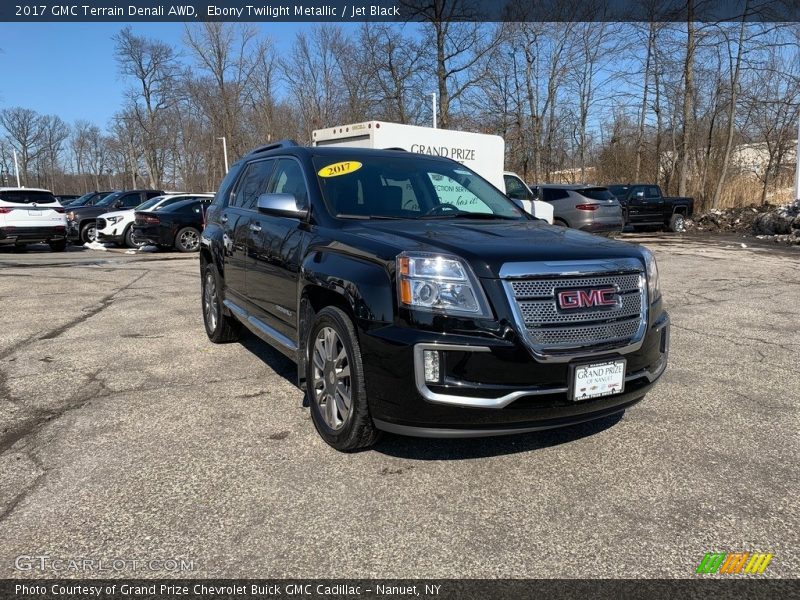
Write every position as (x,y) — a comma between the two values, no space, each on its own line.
(470,215)
(366,217)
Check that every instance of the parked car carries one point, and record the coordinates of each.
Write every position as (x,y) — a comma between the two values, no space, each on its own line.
(175,226)
(86,200)
(81,221)
(65,199)
(29,216)
(523,196)
(117,226)
(645,207)
(407,313)
(585,207)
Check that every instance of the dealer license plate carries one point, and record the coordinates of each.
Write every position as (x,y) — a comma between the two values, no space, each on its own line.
(598,379)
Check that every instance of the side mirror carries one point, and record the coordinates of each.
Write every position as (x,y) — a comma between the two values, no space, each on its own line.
(281,205)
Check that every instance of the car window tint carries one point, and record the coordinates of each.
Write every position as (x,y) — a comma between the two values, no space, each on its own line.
(551,194)
(288,179)
(252,184)
(597,194)
(27,197)
(131,200)
(652,192)
(514,187)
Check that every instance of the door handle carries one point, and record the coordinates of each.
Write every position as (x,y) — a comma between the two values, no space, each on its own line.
(223,219)
(255,227)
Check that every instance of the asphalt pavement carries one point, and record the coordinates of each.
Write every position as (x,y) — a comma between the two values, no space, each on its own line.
(126,435)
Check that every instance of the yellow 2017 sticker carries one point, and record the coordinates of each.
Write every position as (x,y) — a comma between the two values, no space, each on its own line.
(340,168)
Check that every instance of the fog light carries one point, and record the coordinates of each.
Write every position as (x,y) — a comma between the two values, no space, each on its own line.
(431,358)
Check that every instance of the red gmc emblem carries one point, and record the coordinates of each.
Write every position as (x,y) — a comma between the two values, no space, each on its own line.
(570,299)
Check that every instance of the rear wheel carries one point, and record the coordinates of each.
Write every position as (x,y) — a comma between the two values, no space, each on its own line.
(130,238)
(560,223)
(220,328)
(20,247)
(58,246)
(89,233)
(188,240)
(335,380)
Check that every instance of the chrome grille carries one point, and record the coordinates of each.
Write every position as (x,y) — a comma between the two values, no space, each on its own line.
(552,333)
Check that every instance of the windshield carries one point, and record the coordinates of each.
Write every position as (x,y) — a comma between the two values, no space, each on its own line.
(149,203)
(109,200)
(408,187)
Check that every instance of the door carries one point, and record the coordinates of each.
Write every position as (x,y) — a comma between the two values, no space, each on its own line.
(235,219)
(275,246)
(635,204)
(653,204)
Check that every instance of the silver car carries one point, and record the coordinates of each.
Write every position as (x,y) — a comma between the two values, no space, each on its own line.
(589,208)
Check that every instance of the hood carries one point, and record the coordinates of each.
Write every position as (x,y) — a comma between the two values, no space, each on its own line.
(488,245)
(82,212)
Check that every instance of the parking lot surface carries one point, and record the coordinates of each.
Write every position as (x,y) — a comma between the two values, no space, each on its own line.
(126,434)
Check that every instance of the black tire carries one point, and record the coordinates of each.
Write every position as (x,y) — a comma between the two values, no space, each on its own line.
(89,233)
(187,240)
(130,239)
(356,429)
(222,328)
(677,223)
(58,246)
(20,248)
(560,223)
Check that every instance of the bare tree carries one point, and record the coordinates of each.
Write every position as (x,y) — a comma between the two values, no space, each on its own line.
(24,132)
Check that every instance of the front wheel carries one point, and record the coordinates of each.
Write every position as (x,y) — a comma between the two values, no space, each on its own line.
(58,246)
(677,223)
(335,377)
(188,240)
(89,233)
(131,241)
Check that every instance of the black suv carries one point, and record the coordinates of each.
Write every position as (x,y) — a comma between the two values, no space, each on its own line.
(416,298)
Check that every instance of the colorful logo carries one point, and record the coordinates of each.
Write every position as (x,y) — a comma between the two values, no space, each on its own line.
(733,563)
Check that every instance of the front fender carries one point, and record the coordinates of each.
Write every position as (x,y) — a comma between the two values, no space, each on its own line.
(365,285)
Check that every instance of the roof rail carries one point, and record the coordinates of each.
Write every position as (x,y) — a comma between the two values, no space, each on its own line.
(273,146)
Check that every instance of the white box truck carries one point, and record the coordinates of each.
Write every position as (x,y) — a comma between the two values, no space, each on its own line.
(483,153)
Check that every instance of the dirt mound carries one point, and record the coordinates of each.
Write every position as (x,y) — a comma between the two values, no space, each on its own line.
(779,223)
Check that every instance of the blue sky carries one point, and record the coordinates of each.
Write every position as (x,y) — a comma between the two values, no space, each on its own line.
(68,69)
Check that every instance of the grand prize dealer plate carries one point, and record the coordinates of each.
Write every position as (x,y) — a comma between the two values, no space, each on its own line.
(598,379)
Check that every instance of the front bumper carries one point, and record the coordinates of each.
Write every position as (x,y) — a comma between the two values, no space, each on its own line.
(31,235)
(490,386)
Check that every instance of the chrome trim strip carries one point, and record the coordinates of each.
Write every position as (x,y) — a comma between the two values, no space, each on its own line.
(265,329)
(578,268)
(468,401)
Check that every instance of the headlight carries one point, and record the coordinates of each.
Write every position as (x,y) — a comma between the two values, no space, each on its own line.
(439,283)
(114,220)
(71,216)
(653,289)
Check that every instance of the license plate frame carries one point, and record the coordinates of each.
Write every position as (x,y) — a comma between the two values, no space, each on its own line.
(607,384)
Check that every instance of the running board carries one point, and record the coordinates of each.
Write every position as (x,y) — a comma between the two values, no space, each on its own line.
(271,335)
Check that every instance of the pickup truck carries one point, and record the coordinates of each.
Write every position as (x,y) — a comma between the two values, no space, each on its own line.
(412,315)
(644,206)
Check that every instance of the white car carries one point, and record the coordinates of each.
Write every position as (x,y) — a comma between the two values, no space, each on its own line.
(117,227)
(31,216)
(523,196)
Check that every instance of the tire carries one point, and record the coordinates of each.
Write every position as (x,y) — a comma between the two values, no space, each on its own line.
(332,345)
(677,223)
(130,240)
(59,246)
(220,327)
(187,240)
(20,248)
(89,233)
(560,223)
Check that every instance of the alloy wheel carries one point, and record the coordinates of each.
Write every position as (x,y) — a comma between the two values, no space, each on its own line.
(210,303)
(190,240)
(332,382)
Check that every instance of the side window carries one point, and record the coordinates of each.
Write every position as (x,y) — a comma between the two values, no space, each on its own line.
(288,179)
(149,195)
(652,192)
(515,188)
(637,192)
(131,200)
(552,194)
(221,197)
(252,184)
(452,192)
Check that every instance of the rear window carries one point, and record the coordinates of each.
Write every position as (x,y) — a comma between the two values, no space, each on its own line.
(597,194)
(27,197)
(551,194)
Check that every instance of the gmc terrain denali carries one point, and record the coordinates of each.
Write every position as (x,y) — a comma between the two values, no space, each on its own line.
(417,299)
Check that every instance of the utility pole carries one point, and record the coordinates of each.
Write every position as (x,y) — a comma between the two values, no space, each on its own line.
(433,97)
(225,151)
(16,167)
(797,164)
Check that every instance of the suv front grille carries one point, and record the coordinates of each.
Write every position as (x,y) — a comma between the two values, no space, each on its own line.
(551,331)
(101,224)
